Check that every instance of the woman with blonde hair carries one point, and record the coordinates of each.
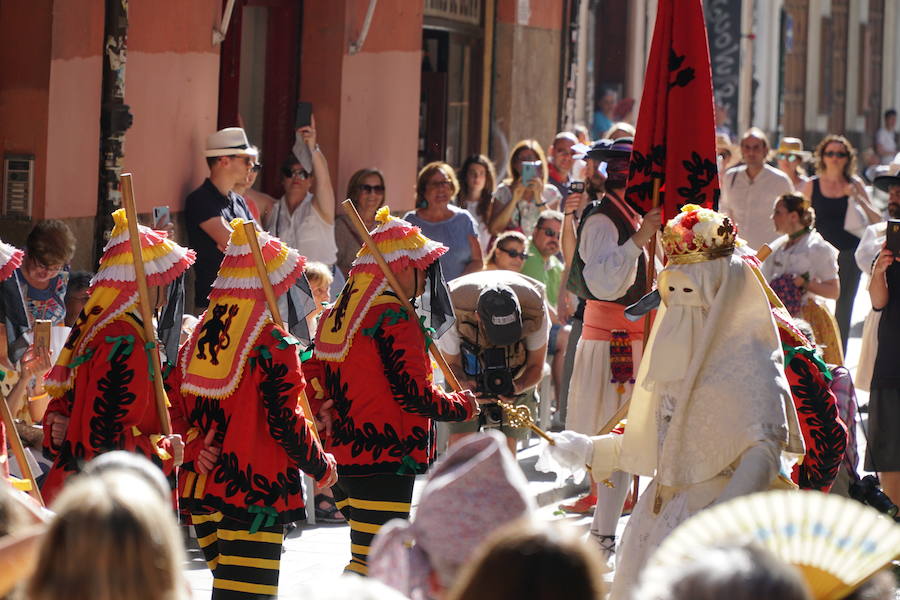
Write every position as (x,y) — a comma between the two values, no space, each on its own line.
(366,191)
(519,200)
(112,538)
(832,192)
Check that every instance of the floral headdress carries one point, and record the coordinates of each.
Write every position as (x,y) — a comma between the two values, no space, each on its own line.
(698,234)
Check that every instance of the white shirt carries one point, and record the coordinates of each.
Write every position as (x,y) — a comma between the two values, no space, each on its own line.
(609,269)
(525,216)
(750,203)
(870,245)
(809,254)
(888,141)
(304,229)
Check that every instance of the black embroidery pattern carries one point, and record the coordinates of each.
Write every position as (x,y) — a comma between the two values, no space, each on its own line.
(285,426)
(701,174)
(112,403)
(682,76)
(69,457)
(827,440)
(256,488)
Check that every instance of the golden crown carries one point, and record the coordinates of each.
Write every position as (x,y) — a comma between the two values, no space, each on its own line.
(698,234)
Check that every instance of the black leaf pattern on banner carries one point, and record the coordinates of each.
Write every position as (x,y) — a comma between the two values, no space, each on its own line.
(683,76)
(702,173)
(827,440)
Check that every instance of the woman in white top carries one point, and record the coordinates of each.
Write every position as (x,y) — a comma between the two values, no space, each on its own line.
(518,204)
(803,259)
(477,178)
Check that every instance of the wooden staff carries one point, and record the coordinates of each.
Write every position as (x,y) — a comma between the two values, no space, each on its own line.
(18,449)
(250,232)
(763,253)
(159,390)
(350,210)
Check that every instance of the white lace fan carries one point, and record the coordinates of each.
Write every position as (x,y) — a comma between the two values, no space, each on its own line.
(836,543)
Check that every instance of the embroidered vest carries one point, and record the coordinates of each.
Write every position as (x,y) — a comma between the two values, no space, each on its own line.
(576,283)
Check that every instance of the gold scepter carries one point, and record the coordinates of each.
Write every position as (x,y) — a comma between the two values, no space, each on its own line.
(250,233)
(159,390)
(518,416)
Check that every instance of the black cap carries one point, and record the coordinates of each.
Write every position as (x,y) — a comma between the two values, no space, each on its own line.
(498,310)
(602,150)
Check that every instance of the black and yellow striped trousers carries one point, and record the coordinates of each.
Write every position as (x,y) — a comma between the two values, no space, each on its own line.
(368,502)
(244,565)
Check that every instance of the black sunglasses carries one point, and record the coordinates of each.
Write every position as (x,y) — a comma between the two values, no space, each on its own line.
(301,173)
(550,232)
(514,253)
(833,154)
(372,189)
(256,168)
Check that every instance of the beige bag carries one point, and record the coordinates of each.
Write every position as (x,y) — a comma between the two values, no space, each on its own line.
(855,221)
(867,352)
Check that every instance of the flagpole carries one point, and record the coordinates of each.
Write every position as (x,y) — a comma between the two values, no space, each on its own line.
(18,449)
(269,293)
(159,390)
(512,411)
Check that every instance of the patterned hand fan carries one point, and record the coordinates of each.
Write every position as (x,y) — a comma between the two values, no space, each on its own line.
(835,543)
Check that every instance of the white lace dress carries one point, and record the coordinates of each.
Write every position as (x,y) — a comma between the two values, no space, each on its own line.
(647,529)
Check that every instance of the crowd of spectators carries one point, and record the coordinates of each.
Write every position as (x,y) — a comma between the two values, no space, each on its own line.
(809,209)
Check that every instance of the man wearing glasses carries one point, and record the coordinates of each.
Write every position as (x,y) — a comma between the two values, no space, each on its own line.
(544,265)
(304,216)
(749,190)
(210,208)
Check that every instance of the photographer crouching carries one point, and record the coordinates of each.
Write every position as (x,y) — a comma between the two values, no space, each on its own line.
(498,346)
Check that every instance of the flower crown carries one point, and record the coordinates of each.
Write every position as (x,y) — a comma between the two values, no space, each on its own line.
(698,234)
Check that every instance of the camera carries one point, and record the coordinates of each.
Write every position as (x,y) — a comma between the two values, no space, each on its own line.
(576,187)
(496,378)
(491,416)
(868,491)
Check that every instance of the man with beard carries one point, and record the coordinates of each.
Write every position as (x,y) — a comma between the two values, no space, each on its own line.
(608,271)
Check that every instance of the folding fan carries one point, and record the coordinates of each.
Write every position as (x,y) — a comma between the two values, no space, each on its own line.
(835,543)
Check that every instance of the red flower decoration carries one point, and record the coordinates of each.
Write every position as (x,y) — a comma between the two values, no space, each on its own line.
(689,220)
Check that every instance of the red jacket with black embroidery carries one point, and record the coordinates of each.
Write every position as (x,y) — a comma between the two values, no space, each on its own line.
(111,405)
(264,438)
(384,398)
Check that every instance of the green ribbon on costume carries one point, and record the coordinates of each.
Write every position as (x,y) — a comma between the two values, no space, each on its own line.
(148,348)
(791,351)
(409,466)
(167,369)
(306,354)
(263,351)
(284,340)
(117,342)
(265,517)
(79,360)
(393,317)
(428,332)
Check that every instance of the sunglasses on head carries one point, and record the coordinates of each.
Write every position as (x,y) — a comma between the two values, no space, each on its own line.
(514,253)
(301,173)
(371,189)
(836,154)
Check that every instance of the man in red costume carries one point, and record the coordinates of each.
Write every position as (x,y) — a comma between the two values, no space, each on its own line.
(102,383)
(372,359)
(235,396)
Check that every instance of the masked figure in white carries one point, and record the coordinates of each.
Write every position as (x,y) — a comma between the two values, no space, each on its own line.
(711,413)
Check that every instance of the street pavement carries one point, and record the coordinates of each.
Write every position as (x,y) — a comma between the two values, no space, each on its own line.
(317,553)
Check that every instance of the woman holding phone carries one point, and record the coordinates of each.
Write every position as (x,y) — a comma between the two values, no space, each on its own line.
(519,200)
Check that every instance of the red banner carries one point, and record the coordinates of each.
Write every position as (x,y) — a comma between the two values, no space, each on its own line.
(675,142)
